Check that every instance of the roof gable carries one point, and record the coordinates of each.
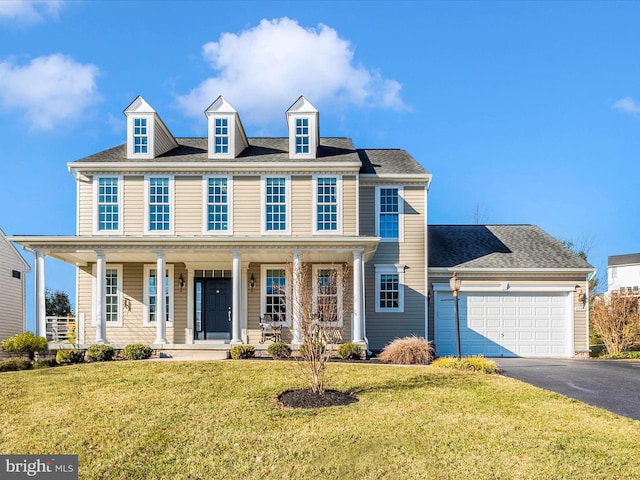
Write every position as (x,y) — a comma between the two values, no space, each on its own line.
(13,250)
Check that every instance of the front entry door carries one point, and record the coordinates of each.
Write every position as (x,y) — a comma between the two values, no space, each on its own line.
(217,308)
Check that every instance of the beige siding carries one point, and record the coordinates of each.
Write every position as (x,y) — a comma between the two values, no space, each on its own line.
(162,142)
(383,327)
(349,205)
(188,205)
(301,207)
(133,329)
(12,313)
(246,205)
(85,206)
(133,206)
(580,329)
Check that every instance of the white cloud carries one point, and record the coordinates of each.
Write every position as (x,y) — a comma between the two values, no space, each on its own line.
(264,69)
(49,89)
(29,11)
(627,105)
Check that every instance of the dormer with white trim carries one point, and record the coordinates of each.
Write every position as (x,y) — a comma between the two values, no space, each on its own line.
(147,135)
(227,138)
(304,129)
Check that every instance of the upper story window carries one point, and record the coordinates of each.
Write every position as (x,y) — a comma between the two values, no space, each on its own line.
(159,204)
(327,200)
(108,204)
(302,135)
(389,225)
(140,136)
(221,135)
(276,197)
(218,219)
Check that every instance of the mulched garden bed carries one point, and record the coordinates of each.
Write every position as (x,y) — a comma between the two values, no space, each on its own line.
(305,398)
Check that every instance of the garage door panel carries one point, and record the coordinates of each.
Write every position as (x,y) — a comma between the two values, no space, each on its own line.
(505,325)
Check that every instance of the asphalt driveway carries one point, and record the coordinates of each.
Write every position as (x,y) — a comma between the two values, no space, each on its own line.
(610,384)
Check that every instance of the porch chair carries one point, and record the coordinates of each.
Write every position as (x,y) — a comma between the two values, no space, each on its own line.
(269,329)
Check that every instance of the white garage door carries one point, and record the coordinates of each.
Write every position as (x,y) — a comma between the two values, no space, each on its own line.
(499,325)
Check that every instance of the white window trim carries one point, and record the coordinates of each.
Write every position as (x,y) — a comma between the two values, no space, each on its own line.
(94,305)
(313,146)
(263,205)
(205,206)
(145,316)
(385,269)
(400,213)
(150,136)
(231,135)
(314,217)
(263,290)
(172,210)
(338,269)
(96,196)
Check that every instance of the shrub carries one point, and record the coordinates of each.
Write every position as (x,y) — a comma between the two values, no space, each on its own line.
(45,363)
(241,352)
(24,343)
(69,356)
(100,353)
(408,351)
(279,350)
(472,364)
(616,321)
(137,351)
(622,355)
(315,349)
(15,364)
(350,351)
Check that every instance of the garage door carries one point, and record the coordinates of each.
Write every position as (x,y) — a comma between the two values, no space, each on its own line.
(499,325)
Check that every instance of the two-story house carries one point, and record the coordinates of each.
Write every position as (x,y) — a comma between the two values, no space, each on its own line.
(187,242)
(623,273)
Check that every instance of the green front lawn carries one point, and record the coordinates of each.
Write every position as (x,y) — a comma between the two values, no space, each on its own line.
(210,420)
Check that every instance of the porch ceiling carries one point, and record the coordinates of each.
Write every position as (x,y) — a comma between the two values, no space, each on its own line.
(198,250)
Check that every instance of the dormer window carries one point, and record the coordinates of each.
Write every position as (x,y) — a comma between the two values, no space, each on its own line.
(222,135)
(140,137)
(302,135)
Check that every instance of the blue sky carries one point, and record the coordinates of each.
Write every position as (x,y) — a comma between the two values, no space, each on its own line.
(524,112)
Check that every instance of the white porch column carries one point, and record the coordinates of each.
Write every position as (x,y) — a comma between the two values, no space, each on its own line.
(358,323)
(101,280)
(161,300)
(297,299)
(190,306)
(244,317)
(235,304)
(40,314)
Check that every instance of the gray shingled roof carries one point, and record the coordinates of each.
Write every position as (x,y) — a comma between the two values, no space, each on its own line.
(627,259)
(269,150)
(498,246)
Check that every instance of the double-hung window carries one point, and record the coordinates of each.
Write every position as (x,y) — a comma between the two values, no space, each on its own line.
(159,204)
(218,204)
(327,203)
(327,294)
(221,135)
(274,292)
(108,202)
(151,294)
(140,136)
(389,209)
(276,198)
(302,135)
(113,296)
(389,288)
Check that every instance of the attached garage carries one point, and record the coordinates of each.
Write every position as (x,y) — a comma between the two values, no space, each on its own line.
(505,325)
(519,293)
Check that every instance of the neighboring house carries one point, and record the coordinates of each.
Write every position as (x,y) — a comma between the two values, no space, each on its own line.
(13,270)
(224,216)
(623,273)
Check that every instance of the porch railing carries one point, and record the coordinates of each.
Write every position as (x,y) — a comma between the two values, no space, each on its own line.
(61,329)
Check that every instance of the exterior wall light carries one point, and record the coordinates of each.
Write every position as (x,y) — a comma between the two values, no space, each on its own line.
(454,284)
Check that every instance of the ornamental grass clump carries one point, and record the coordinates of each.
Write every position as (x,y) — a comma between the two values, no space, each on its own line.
(408,351)
(470,364)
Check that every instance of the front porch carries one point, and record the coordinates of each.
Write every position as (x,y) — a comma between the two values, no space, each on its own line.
(215,294)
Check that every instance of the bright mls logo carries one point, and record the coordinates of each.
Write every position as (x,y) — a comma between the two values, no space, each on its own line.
(49,467)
